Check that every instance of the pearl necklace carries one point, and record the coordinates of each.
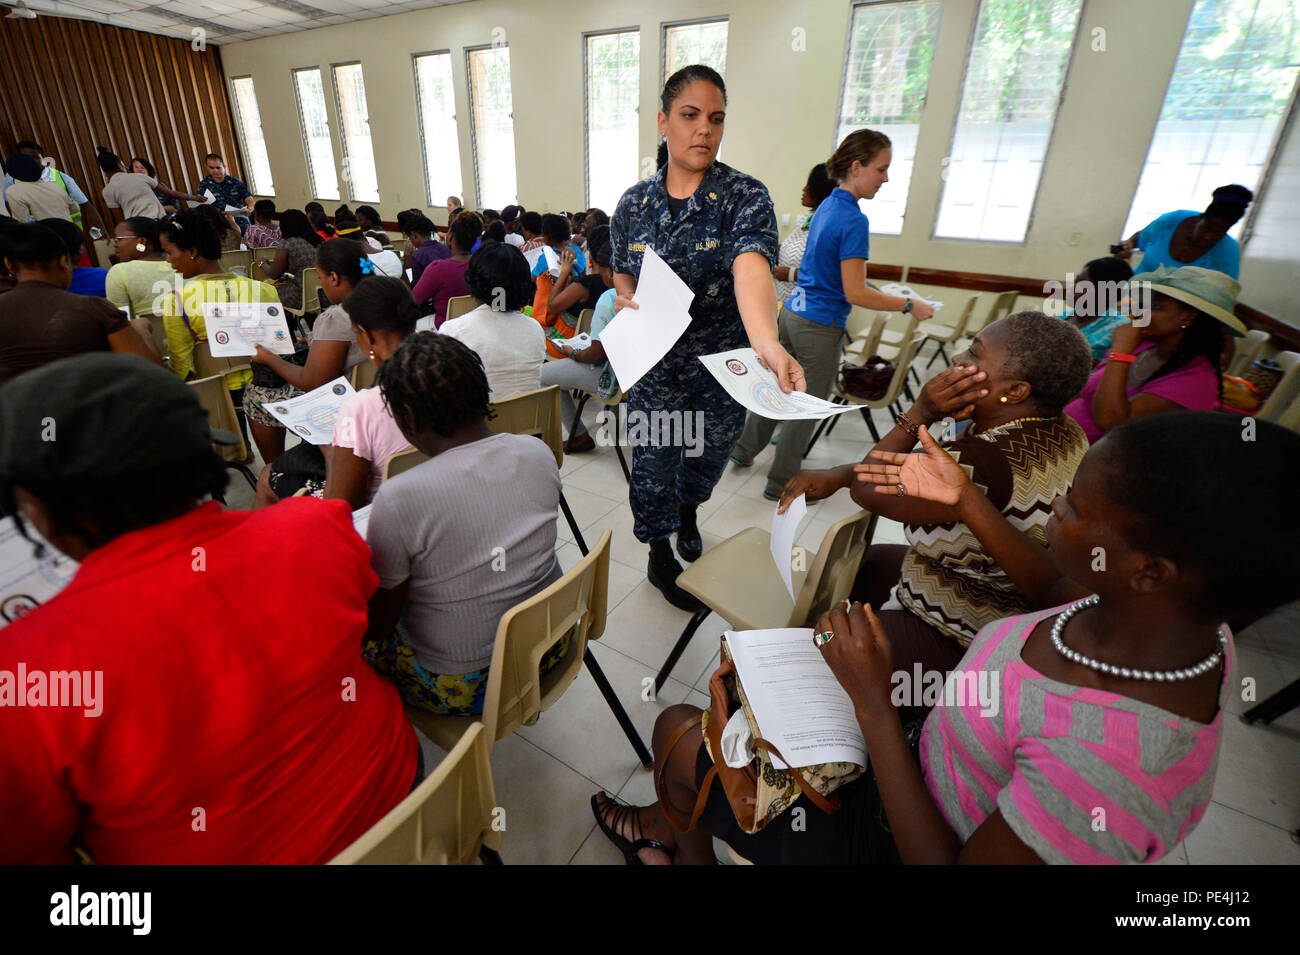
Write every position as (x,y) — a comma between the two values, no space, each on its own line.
(1159,676)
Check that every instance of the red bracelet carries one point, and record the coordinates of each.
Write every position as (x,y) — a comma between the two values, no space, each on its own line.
(1121,356)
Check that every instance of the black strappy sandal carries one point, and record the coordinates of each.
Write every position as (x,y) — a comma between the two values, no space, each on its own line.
(618,812)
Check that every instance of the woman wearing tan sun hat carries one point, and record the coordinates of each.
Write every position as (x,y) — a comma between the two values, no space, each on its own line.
(1171,360)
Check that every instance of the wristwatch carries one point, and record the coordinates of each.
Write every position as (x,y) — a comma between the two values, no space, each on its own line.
(907,306)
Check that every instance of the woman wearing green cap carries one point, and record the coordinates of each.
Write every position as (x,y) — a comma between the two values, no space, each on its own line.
(1168,360)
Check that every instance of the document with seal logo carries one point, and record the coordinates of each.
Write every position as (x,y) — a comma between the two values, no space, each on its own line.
(236,328)
(751,383)
(312,416)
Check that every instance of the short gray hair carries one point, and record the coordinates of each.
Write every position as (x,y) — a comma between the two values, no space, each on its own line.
(1049,353)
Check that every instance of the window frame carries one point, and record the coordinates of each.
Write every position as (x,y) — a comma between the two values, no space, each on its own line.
(854,6)
(419,113)
(343,139)
(1047,148)
(586,101)
(665,25)
(473,124)
(302,132)
(243,143)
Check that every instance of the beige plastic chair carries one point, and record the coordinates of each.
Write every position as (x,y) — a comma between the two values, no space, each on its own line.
(214,396)
(906,353)
(363,375)
(157,331)
(867,344)
(310,280)
(265,254)
(104,249)
(446,821)
(1290,416)
(402,462)
(896,336)
(1000,309)
(205,365)
(944,334)
(460,305)
(516,692)
(237,261)
(584,321)
(1247,351)
(739,581)
(1287,390)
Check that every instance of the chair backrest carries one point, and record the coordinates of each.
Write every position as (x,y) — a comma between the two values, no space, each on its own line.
(460,305)
(445,821)
(363,375)
(205,365)
(871,341)
(1287,390)
(834,569)
(237,261)
(157,330)
(963,320)
(906,352)
(310,291)
(1290,416)
(533,412)
(575,604)
(584,321)
(1001,308)
(214,396)
(104,248)
(403,461)
(1248,350)
(265,254)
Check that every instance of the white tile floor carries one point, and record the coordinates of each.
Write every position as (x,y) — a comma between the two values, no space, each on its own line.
(545,774)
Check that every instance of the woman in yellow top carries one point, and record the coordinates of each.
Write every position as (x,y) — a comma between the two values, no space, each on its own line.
(193,249)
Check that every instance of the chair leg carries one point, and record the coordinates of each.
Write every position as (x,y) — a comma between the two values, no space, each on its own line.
(825,422)
(616,707)
(573,525)
(871,425)
(907,390)
(1279,704)
(577,416)
(618,428)
(249,476)
(691,626)
(490,856)
(911,373)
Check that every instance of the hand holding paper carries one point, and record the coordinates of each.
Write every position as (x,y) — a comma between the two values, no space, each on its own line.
(236,328)
(750,383)
(784,528)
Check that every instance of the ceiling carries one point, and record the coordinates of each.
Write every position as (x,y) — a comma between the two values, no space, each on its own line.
(227,21)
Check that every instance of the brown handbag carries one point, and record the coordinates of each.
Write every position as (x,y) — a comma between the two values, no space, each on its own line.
(868,381)
(757,792)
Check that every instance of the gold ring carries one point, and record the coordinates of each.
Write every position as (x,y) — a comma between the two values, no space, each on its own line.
(902,491)
(821,639)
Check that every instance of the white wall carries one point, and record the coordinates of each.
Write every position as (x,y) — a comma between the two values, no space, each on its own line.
(781,115)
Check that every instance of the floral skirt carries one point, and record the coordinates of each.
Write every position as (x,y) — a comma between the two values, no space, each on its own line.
(254,395)
(458,694)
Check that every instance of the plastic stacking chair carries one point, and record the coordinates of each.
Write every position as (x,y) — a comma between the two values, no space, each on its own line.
(516,694)
(739,581)
(1248,350)
(363,375)
(403,461)
(214,396)
(460,305)
(104,249)
(1287,390)
(237,261)
(616,403)
(205,365)
(896,386)
(157,331)
(310,305)
(943,334)
(868,343)
(584,321)
(446,821)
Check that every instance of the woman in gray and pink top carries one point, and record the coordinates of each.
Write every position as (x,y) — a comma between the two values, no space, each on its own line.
(1105,706)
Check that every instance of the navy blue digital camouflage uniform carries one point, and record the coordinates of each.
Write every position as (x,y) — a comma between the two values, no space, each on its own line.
(729,214)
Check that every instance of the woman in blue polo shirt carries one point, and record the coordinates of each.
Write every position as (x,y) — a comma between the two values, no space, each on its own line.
(716,228)
(831,279)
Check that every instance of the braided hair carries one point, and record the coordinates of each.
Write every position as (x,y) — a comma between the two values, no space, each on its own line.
(434,383)
(1204,336)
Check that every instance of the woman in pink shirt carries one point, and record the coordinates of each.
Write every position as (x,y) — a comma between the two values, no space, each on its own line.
(1168,360)
(365,435)
(443,280)
(1106,706)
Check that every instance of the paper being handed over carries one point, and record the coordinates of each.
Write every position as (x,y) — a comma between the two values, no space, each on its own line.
(636,338)
(799,706)
(749,382)
(784,528)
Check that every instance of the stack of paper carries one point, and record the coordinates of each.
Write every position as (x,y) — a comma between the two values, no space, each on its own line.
(637,338)
(799,706)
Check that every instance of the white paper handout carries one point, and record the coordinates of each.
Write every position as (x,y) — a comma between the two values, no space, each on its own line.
(312,415)
(637,338)
(579,342)
(532,255)
(552,261)
(361,520)
(799,706)
(784,528)
(234,209)
(234,328)
(755,387)
(894,288)
(26,582)
(208,197)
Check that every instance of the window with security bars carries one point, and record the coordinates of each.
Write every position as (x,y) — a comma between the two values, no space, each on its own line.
(886,75)
(492,126)
(439,138)
(701,42)
(249,120)
(316,133)
(354,125)
(1225,105)
(613,65)
(1014,81)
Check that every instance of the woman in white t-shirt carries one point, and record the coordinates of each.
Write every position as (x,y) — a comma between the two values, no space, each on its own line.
(511,345)
(383,316)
